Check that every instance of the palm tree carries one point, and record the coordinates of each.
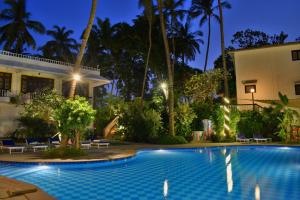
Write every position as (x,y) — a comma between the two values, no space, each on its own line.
(206,9)
(62,47)
(170,71)
(221,5)
(148,11)
(188,42)
(175,14)
(77,66)
(15,34)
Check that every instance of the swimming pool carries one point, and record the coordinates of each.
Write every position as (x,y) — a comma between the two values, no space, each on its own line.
(248,172)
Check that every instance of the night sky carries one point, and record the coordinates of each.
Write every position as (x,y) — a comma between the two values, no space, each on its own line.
(265,15)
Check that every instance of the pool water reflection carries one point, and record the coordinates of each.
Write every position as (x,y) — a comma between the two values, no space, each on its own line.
(207,173)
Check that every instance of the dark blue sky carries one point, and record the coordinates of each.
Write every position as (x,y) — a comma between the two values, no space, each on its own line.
(266,15)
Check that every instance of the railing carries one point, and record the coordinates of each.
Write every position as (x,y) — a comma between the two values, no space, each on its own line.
(247,107)
(4,93)
(7,53)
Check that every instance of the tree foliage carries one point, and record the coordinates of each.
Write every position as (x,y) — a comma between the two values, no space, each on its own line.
(202,87)
(254,38)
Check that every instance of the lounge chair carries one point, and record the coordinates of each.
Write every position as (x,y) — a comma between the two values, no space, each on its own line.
(54,141)
(36,144)
(11,146)
(100,143)
(241,138)
(86,144)
(259,138)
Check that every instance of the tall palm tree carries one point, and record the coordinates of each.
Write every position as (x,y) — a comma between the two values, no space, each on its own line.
(188,42)
(206,9)
(170,71)
(62,46)
(148,11)
(175,14)
(221,5)
(77,66)
(15,34)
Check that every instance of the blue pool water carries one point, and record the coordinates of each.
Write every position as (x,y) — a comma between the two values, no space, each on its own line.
(211,173)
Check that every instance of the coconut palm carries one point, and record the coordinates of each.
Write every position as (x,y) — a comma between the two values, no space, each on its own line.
(170,71)
(222,5)
(16,33)
(148,12)
(174,13)
(77,66)
(188,42)
(62,46)
(207,10)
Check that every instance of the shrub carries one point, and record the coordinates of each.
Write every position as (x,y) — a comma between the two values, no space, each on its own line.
(202,111)
(233,122)
(139,124)
(271,119)
(250,123)
(169,139)
(35,128)
(184,117)
(218,120)
(64,153)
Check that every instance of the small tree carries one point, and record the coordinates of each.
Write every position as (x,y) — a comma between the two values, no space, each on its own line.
(288,119)
(184,117)
(73,117)
(202,87)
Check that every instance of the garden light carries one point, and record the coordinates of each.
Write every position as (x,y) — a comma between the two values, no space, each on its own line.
(76,77)
(226,127)
(226,100)
(226,117)
(164,87)
(226,109)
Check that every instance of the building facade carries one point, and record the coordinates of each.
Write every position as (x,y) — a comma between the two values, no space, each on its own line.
(23,76)
(265,71)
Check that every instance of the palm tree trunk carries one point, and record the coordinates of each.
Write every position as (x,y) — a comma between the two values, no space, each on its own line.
(174,55)
(208,44)
(170,74)
(80,56)
(226,90)
(82,47)
(147,61)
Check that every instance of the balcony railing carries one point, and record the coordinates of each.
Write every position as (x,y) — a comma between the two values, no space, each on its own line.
(4,93)
(7,53)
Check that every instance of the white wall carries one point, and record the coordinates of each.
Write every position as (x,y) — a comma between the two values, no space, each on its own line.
(273,69)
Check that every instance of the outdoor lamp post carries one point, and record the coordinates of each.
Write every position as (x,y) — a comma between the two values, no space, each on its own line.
(252,90)
(76,77)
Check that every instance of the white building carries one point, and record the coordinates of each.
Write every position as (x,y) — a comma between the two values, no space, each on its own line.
(267,71)
(22,75)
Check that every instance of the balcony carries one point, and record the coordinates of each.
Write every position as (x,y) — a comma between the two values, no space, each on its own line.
(4,96)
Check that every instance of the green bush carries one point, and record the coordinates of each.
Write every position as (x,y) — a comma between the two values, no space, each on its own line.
(233,122)
(218,120)
(35,128)
(64,153)
(139,124)
(250,123)
(271,118)
(169,139)
(184,117)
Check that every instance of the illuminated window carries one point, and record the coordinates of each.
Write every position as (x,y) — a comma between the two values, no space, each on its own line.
(295,55)
(249,88)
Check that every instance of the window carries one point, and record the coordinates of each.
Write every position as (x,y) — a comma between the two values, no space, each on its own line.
(297,89)
(249,88)
(30,84)
(295,55)
(5,81)
(82,89)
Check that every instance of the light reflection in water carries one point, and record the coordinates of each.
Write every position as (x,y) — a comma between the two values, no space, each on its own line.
(229,173)
(257,192)
(166,188)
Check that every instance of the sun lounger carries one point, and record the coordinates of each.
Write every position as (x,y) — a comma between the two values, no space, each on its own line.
(11,146)
(54,141)
(100,143)
(241,138)
(259,138)
(86,145)
(36,144)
